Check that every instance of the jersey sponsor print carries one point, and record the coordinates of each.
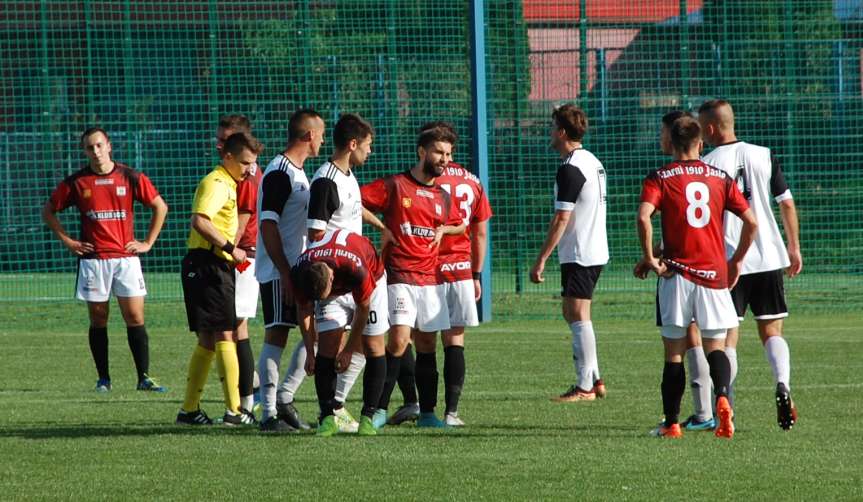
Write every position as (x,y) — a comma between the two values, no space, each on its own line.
(454,259)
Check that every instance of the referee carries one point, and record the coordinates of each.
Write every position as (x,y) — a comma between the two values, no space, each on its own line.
(208,281)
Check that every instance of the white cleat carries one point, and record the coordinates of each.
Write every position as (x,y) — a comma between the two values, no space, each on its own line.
(345,421)
(452,420)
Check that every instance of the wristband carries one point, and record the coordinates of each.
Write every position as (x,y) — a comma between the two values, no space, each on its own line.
(477,276)
(228,247)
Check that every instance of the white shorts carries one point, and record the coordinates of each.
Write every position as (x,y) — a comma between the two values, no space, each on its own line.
(420,307)
(246,290)
(98,278)
(681,301)
(461,303)
(338,312)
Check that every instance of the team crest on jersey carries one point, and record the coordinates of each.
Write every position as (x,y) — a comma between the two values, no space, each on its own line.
(406,202)
(87,193)
(437,209)
(121,191)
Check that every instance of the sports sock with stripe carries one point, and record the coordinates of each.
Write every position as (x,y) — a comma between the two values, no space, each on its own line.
(700,383)
(98,338)
(229,374)
(199,369)
(268,366)
(295,375)
(584,354)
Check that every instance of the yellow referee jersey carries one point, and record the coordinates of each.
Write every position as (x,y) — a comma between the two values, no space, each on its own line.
(216,198)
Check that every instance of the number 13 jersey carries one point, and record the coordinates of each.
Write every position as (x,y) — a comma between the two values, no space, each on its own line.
(692,197)
(473,207)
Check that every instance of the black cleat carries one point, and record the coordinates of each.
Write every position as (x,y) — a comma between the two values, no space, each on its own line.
(276,425)
(289,414)
(242,418)
(196,417)
(407,413)
(786,412)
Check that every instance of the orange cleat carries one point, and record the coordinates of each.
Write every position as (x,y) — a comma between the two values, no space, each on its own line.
(672,431)
(725,428)
(575,394)
(599,389)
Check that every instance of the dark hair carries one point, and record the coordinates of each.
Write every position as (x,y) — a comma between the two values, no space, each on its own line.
(711,105)
(571,119)
(239,141)
(298,124)
(435,133)
(684,132)
(313,279)
(236,122)
(91,131)
(441,124)
(669,118)
(349,127)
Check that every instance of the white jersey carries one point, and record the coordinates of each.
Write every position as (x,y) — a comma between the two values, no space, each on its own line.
(760,178)
(580,188)
(283,197)
(335,201)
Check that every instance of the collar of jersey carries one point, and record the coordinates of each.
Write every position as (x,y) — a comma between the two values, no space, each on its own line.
(410,176)
(348,174)
(223,168)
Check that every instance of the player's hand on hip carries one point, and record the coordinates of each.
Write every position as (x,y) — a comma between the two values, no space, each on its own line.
(343,360)
(438,236)
(238,254)
(796,263)
(641,270)
(387,239)
(137,247)
(81,248)
(536,272)
(733,274)
(477,289)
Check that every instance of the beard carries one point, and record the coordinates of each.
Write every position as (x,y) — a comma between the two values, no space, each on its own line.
(432,169)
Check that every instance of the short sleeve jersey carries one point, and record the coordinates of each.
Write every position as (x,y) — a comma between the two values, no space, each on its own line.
(283,197)
(692,197)
(759,176)
(106,204)
(216,198)
(335,200)
(355,263)
(580,188)
(247,202)
(454,258)
(412,212)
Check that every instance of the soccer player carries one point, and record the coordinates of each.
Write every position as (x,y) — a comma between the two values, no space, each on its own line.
(761,287)
(694,276)
(208,282)
(578,227)
(246,287)
(418,213)
(335,203)
(342,272)
(283,200)
(104,192)
(699,371)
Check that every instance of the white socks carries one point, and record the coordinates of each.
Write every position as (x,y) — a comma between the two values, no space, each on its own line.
(584,354)
(345,381)
(779,357)
(295,375)
(268,366)
(700,383)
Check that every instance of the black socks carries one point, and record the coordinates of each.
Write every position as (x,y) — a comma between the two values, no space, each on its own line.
(453,376)
(99,348)
(673,386)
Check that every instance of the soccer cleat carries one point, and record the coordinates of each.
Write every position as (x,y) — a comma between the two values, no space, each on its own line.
(276,425)
(599,389)
(725,427)
(103,385)
(672,431)
(575,394)
(150,385)
(786,412)
(196,417)
(366,427)
(328,427)
(288,413)
(406,413)
(452,420)
(694,424)
(345,421)
(429,420)
(244,417)
(380,418)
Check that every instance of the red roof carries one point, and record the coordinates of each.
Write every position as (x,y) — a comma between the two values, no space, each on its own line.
(607,10)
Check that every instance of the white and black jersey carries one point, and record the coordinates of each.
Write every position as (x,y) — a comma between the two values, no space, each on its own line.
(335,201)
(283,197)
(580,188)
(760,178)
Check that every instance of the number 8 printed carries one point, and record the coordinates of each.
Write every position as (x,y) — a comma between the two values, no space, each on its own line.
(698,195)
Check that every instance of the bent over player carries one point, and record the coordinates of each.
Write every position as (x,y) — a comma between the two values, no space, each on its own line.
(694,277)
(104,192)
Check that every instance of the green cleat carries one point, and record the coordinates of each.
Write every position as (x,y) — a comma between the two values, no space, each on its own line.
(328,427)
(366,428)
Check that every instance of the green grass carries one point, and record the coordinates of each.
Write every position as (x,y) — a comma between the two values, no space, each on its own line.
(60,440)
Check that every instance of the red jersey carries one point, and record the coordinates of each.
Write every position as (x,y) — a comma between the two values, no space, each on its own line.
(692,197)
(247,202)
(355,263)
(412,212)
(454,259)
(106,204)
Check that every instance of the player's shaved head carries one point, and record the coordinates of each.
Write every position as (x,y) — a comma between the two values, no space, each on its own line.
(718,113)
(301,123)
(685,133)
(314,280)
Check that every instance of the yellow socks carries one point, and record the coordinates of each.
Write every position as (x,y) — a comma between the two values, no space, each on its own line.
(199,369)
(229,372)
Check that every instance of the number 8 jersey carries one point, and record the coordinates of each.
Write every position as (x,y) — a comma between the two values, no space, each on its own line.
(692,197)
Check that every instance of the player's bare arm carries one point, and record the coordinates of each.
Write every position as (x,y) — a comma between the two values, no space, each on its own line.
(791,225)
(387,237)
(446,230)
(202,224)
(478,246)
(361,317)
(243,218)
(269,230)
(306,323)
(157,220)
(747,235)
(80,248)
(648,261)
(552,239)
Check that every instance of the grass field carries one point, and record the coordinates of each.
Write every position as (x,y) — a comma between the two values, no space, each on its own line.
(60,440)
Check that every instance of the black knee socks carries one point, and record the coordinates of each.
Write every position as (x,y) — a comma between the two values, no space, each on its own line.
(393,368)
(673,386)
(427,377)
(407,376)
(139,344)
(453,376)
(325,383)
(720,372)
(373,383)
(246,361)
(99,348)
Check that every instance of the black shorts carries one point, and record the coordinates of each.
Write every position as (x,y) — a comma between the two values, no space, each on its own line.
(577,281)
(276,311)
(208,290)
(763,293)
